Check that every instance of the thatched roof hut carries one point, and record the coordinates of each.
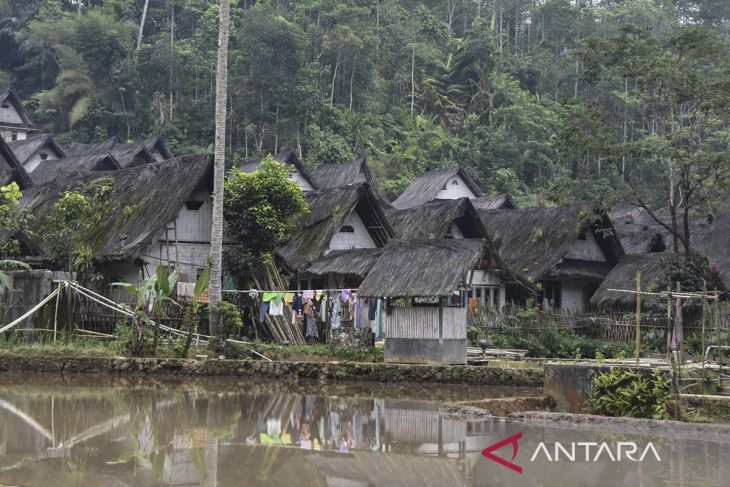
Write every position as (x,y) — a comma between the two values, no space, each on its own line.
(78,148)
(11,170)
(437,219)
(329,209)
(350,262)
(14,116)
(333,175)
(156,145)
(143,200)
(127,155)
(423,268)
(69,167)
(623,276)
(500,202)
(290,158)
(26,148)
(432,185)
(535,242)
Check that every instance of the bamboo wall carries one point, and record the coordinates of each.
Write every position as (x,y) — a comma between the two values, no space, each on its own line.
(423,322)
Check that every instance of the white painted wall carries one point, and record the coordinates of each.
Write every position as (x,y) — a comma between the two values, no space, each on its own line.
(490,282)
(587,249)
(359,239)
(32,163)
(195,225)
(295,175)
(8,114)
(7,134)
(455,188)
(573,296)
(454,231)
(193,257)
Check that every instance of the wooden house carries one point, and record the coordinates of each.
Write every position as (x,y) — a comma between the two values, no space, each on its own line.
(158,214)
(14,121)
(456,219)
(556,248)
(11,170)
(34,150)
(500,202)
(69,167)
(339,238)
(443,184)
(334,175)
(424,283)
(297,171)
(126,155)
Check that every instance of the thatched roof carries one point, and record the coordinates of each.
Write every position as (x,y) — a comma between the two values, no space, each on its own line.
(433,219)
(623,276)
(716,242)
(534,241)
(351,262)
(427,186)
(500,202)
(286,157)
(143,201)
(157,144)
(24,149)
(69,167)
(422,267)
(9,96)
(10,169)
(333,175)
(78,148)
(329,208)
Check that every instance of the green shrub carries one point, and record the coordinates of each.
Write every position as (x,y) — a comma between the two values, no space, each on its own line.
(625,393)
(555,343)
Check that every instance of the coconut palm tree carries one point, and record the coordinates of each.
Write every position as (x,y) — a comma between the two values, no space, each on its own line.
(216,240)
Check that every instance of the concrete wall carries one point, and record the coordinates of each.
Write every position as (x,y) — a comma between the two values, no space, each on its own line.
(359,239)
(425,350)
(455,188)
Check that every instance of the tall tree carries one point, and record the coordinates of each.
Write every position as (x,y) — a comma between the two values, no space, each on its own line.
(216,240)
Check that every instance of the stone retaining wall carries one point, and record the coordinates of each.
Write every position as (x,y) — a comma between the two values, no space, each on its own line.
(346,371)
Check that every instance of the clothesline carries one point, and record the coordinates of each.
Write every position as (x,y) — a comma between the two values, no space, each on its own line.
(257,291)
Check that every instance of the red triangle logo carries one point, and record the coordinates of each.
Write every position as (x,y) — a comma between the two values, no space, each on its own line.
(513,440)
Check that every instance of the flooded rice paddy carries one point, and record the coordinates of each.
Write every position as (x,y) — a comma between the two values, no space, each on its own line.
(83,430)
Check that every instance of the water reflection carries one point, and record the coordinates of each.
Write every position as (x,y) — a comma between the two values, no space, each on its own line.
(250,433)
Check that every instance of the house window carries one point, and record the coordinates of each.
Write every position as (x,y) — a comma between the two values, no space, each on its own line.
(44,156)
(5,105)
(347,229)
(13,135)
(455,182)
(193,205)
(551,295)
(495,297)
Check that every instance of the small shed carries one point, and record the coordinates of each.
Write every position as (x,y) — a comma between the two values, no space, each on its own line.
(424,284)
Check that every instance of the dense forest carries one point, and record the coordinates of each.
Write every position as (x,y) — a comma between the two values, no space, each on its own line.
(551,100)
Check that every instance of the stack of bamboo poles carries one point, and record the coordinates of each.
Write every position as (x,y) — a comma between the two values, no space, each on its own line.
(281,328)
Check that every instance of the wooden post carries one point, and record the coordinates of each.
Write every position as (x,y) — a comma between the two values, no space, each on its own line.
(680,332)
(55,314)
(702,349)
(717,327)
(638,317)
(669,322)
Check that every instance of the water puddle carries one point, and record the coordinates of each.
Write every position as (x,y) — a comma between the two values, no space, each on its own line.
(95,431)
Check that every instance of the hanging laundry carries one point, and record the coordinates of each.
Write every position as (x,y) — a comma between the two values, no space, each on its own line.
(372,307)
(359,313)
(276,308)
(323,307)
(297,304)
(253,293)
(378,317)
(263,309)
(308,294)
(345,294)
(279,297)
(318,295)
(289,298)
(268,296)
(336,314)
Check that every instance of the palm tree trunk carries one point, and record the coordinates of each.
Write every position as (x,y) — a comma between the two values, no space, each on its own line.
(141,23)
(216,239)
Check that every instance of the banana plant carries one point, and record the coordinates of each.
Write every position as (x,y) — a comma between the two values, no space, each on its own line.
(148,298)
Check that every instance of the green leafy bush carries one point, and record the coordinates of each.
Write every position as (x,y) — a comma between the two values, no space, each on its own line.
(626,393)
(555,343)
